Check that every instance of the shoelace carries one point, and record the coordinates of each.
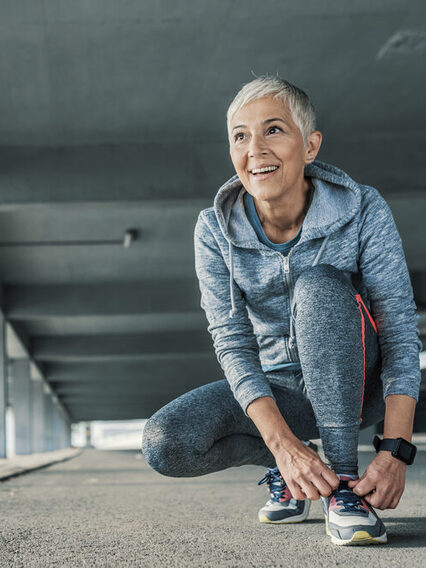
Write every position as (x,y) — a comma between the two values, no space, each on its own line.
(276,485)
(350,501)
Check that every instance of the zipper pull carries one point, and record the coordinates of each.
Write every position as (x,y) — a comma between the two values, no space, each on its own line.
(286,265)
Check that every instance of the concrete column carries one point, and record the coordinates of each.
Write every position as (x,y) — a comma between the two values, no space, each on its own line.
(55,426)
(48,421)
(3,385)
(88,435)
(58,426)
(65,431)
(10,432)
(61,430)
(67,434)
(21,400)
(38,422)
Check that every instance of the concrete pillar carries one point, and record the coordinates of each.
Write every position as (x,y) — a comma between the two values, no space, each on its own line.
(21,400)
(88,435)
(55,426)
(48,420)
(67,434)
(38,422)
(10,432)
(65,431)
(61,431)
(3,385)
(58,426)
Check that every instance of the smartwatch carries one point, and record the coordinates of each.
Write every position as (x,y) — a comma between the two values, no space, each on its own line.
(400,448)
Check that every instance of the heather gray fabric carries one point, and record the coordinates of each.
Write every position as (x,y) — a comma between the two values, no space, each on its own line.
(206,430)
(265,310)
(246,288)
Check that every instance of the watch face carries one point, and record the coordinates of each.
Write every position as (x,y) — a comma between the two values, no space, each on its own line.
(405,451)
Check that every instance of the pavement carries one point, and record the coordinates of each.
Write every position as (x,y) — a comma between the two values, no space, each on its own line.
(109,508)
(18,465)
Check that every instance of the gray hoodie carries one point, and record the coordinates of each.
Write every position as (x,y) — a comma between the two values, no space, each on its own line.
(246,287)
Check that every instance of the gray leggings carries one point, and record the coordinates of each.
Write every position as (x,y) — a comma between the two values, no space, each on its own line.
(205,429)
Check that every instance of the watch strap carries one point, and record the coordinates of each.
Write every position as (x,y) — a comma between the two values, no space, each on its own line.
(398,447)
(389,444)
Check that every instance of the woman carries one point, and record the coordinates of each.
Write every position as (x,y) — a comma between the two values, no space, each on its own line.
(306,290)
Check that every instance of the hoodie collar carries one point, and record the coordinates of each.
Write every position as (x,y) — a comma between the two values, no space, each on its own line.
(335,201)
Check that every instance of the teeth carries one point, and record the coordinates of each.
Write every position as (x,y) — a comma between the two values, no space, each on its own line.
(263,170)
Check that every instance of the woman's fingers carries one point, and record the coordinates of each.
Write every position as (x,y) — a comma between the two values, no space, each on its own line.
(384,498)
(322,486)
(303,489)
(306,474)
(365,486)
(311,486)
(310,491)
(330,477)
(296,491)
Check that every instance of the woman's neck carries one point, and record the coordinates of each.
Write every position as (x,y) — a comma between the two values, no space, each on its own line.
(281,221)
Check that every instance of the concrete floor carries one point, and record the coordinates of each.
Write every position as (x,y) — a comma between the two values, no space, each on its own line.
(111,509)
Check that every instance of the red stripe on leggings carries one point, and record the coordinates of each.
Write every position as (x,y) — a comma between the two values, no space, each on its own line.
(358,297)
(359,300)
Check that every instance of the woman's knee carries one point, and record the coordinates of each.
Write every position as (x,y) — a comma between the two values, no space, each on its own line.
(179,433)
(321,279)
(156,445)
(163,446)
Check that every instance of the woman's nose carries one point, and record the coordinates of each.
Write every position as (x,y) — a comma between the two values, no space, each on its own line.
(257,146)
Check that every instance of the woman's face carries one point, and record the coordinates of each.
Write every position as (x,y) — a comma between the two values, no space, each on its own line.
(263,134)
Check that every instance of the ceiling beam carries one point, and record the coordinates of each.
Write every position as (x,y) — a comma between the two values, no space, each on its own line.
(112,172)
(147,385)
(131,171)
(69,300)
(144,346)
(134,370)
(148,298)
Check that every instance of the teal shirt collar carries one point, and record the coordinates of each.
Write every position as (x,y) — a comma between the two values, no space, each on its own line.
(253,217)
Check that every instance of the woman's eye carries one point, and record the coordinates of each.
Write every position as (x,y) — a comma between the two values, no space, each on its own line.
(239,136)
(276,128)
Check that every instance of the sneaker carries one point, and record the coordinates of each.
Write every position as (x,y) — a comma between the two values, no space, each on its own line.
(281,506)
(349,519)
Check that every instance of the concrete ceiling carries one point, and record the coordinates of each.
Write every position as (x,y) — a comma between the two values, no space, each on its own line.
(112,119)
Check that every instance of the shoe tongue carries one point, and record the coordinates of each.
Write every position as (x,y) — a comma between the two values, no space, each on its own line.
(343,485)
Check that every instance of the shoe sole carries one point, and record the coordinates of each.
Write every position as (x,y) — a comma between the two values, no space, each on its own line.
(359,538)
(289,520)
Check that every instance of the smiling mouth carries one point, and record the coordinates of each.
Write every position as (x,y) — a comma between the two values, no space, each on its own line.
(265,170)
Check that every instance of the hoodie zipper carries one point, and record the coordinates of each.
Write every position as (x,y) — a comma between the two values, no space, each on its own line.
(286,262)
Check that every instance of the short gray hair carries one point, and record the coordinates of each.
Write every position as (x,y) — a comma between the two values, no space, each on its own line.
(301,108)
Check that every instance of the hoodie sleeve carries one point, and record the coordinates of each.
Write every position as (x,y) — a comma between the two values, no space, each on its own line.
(386,277)
(234,341)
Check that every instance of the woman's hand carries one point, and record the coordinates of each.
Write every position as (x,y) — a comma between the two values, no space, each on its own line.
(305,473)
(383,482)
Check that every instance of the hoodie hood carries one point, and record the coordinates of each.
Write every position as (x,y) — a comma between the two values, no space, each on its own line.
(336,199)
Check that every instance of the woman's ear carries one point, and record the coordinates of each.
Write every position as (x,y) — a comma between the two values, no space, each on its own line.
(313,145)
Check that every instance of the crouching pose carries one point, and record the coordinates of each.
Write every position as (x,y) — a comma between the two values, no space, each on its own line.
(306,290)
